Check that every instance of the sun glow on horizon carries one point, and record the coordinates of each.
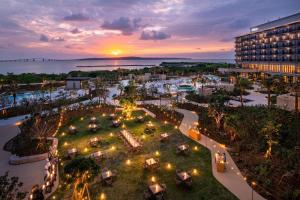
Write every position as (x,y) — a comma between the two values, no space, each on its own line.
(116,52)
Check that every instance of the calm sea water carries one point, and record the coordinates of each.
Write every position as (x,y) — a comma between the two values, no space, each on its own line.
(57,67)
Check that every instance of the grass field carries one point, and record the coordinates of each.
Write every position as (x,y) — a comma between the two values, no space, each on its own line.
(132,180)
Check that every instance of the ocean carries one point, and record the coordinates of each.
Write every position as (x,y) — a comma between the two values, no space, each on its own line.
(56,67)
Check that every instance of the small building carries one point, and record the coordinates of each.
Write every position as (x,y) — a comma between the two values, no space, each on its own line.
(152,77)
(287,102)
(76,83)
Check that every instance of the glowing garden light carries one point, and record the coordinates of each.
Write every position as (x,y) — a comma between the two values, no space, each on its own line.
(102,196)
(157,153)
(128,162)
(168,166)
(153,179)
(195,171)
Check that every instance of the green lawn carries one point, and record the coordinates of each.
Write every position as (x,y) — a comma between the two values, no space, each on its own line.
(132,180)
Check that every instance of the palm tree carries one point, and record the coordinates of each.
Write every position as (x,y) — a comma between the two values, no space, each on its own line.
(202,80)
(268,84)
(121,88)
(231,125)
(98,86)
(13,88)
(243,84)
(50,88)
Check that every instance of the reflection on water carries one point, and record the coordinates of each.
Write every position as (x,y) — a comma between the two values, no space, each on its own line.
(70,65)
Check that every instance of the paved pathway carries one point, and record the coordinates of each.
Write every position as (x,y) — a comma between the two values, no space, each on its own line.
(232,178)
(30,173)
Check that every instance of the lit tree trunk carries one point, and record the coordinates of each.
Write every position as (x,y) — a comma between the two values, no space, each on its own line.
(269,98)
(297,101)
(241,97)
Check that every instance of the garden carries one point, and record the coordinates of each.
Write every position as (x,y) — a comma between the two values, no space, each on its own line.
(264,143)
(101,161)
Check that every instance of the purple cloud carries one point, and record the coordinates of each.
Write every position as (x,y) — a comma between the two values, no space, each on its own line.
(76,17)
(123,24)
(58,39)
(44,38)
(154,35)
(75,31)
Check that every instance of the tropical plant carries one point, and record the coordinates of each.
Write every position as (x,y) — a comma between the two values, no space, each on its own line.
(10,188)
(121,88)
(40,130)
(80,165)
(231,126)
(243,84)
(268,84)
(296,88)
(216,108)
(271,133)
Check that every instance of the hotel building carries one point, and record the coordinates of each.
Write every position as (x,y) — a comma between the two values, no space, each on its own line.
(273,47)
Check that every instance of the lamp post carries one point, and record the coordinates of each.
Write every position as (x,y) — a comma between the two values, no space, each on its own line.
(253,184)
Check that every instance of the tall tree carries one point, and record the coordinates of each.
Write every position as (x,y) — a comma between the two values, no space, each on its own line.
(268,84)
(216,107)
(121,88)
(271,133)
(40,130)
(243,84)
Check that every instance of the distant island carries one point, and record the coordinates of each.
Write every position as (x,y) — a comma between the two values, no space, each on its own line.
(83,59)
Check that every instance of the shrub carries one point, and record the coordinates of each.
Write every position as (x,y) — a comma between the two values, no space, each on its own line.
(80,165)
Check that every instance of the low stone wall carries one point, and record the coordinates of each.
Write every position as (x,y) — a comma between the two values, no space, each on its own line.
(16,160)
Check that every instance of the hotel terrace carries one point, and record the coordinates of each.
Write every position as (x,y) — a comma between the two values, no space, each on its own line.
(273,47)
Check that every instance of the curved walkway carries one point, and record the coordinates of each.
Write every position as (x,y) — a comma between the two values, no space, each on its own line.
(30,173)
(231,178)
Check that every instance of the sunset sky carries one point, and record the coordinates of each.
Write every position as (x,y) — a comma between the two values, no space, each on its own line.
(152,28)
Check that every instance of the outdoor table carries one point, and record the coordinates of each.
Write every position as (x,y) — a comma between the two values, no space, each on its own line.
(140,119)
(156,188)
(93,127)
(182,147)
(150,128)
(107,176)
(94,141)
(72,129)
(164,137)
(151,163)
(72,152)
(149,125)
(184,176)
(116,123)
(97,155)
(93,120)
(130,139)
(112,116)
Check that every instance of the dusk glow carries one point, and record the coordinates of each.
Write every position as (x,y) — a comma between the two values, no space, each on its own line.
(98,28)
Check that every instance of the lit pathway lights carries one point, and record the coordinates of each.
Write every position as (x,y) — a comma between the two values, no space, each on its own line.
(232,179)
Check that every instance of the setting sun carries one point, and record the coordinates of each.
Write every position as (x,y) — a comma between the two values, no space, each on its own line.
(116,52)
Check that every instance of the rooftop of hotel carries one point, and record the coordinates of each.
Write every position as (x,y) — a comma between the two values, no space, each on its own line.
(276,23)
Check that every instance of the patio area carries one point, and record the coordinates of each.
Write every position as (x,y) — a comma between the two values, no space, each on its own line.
(130,178)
